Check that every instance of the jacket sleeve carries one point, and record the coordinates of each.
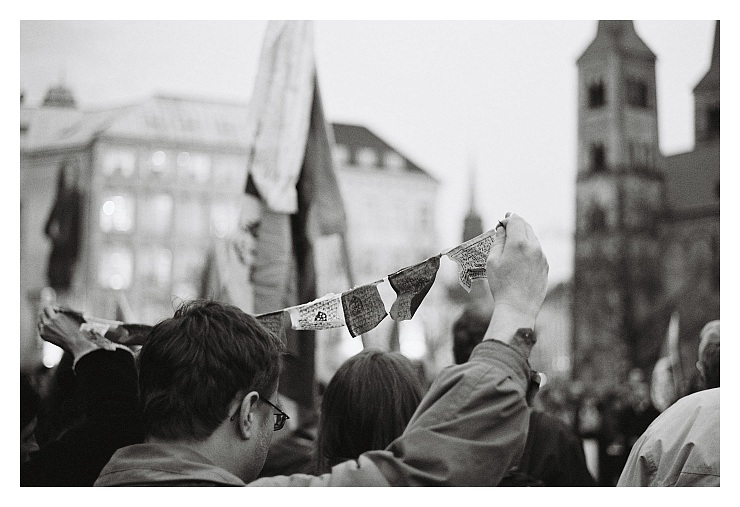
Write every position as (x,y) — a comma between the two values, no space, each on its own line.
(107,381)
(469,429)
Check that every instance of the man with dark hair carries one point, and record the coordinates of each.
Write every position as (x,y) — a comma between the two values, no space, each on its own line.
(553,454)
(681,447)
(209,375)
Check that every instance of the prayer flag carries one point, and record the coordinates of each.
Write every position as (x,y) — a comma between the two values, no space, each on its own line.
(411,285)
(275,322)
(363,308)
(322,313)
(471,258)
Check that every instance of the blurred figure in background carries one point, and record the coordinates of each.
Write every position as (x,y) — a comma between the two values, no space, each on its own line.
(681,447)
(106,377)
(553,454)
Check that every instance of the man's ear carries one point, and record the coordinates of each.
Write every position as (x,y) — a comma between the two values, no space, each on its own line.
(247,415)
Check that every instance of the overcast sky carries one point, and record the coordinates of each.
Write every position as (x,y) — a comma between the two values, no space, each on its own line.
(497,94)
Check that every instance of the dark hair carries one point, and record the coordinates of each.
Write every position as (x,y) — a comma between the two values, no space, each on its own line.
(467,332)
(194,364)
(367,404)
(710,361)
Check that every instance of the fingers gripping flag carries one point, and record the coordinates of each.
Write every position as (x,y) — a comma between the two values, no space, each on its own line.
(411,285)
(471,258)
(363,308)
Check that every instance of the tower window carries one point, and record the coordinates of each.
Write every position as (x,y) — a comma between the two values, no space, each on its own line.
(596,219)
(713,121)
(598,158)
(637,93)
(596,95)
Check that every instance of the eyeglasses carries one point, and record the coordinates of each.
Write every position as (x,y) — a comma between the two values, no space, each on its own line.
(280,416)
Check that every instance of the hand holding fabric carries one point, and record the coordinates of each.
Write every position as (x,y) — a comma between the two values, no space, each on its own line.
(517,276)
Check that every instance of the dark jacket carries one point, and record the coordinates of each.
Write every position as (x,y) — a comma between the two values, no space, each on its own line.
(469,429)
(553,456)
(107,381)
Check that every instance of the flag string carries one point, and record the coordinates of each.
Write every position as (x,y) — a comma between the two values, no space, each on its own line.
(360,308)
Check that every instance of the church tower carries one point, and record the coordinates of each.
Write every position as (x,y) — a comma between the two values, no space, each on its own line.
(473,224)
(619,202)
(706,99)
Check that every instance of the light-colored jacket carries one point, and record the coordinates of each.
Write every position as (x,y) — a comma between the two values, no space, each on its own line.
(680,448)
(469,430)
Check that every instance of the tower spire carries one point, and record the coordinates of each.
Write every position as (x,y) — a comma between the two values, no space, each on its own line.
(473,225)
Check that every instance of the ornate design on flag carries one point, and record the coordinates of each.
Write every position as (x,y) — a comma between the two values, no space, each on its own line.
(322,313)
(363,308)
(411,285)
(471,258)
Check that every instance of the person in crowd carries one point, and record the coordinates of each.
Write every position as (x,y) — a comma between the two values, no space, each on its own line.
(553,453)
(681,447)
(107,381)
(208,381)
(374,393)
(30,401)
(708,360)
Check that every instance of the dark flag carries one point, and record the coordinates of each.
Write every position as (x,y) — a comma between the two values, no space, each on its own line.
(63,229)
(411,285)
(363,308)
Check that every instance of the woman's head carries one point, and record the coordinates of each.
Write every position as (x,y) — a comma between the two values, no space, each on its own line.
(366,405)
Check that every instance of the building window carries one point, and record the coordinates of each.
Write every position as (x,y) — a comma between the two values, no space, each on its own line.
(713,122)
(637,93)
(115,268)
(596,95)
(154,267)
(117,213)
(596,219)
(341,154)
(194,166)
(598,158)
(367,157)
(155,214)
(121,162)
(157,163)
(393,160)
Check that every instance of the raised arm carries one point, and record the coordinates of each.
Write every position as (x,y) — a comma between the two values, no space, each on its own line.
(471,426)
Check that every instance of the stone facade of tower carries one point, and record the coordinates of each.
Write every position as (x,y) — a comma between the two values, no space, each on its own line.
(620,199)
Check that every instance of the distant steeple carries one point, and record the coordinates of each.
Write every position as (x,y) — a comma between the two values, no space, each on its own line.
(619,36)
(473,225)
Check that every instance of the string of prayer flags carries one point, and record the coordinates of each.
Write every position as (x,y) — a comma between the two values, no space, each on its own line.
(363,308)
(411,285)
(323,313)
(471,258)
(275,322)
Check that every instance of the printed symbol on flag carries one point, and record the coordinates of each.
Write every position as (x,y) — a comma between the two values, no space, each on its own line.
(363,308)
(471,258)
(322,313)
(411,285)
